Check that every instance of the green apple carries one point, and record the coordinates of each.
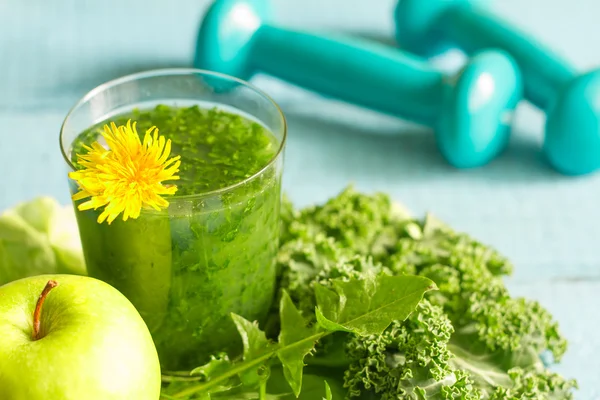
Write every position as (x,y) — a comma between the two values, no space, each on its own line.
(67,337)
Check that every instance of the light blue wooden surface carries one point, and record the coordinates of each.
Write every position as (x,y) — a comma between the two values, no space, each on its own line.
(53,52)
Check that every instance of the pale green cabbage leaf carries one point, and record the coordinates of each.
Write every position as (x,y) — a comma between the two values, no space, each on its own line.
(39,237)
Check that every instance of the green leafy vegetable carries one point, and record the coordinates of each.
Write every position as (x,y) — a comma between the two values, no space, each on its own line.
(255,345)
(39,237)
(417,359)
(367,306)
(297,340)
(346,269)
(409,360)
(215,366)
(293,330)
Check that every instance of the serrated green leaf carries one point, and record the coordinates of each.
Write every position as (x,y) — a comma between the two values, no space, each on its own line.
(293,330)
(368,306)
(365,306)
(217,365)
(329,300)
(328,324)
(254,339)
(255,344)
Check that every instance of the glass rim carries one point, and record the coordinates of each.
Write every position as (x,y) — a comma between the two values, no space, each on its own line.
(174,72)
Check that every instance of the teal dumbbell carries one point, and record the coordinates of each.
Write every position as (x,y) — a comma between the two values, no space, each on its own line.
(571,101)
(470,111)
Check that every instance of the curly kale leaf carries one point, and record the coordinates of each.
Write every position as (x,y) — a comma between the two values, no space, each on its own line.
(304,264)
(359,223)
(493,335)
(473,295)
(468,340)
(417,359)
(363,307)
(540,385)
(517,328)
(410,360)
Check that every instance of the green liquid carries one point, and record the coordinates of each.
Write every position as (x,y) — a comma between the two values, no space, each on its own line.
(188,267)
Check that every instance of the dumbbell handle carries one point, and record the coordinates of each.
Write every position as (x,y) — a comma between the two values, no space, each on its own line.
(363,73)
(474,29)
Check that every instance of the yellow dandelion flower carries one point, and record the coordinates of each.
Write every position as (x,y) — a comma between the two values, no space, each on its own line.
(128,175)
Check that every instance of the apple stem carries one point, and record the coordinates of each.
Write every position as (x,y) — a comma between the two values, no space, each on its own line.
(38,308)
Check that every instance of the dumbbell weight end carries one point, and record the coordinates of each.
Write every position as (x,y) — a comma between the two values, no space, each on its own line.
(571,102)
(572,143)
(429,27)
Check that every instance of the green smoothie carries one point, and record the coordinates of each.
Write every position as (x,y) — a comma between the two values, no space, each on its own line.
(212,251)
